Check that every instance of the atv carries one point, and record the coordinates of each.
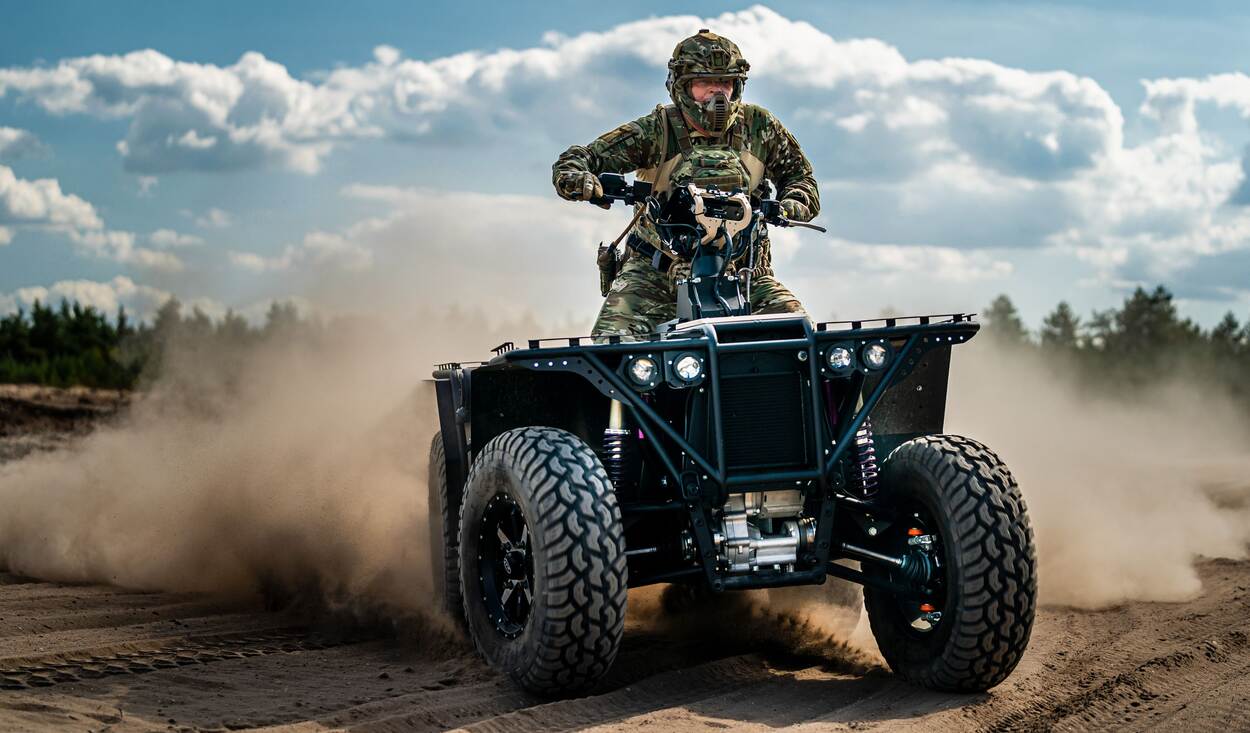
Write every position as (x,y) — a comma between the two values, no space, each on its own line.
(727,452)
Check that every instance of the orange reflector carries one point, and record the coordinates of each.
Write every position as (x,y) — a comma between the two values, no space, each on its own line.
(926,608)
(914,532)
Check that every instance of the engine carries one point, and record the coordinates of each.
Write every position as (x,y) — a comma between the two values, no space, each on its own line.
(763,529)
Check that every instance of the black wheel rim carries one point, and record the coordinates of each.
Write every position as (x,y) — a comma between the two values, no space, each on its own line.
(506,564)
(921,617)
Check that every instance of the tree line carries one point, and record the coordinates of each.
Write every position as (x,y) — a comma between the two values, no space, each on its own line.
(1124,349)
(77,345)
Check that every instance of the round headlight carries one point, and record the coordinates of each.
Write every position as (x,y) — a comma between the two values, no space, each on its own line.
(839,358)
(688,368)
(642,370)
(875,355)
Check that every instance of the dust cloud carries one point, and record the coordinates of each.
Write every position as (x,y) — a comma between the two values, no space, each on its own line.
(816,622)
(301,466)
(1124,495)
(297,466)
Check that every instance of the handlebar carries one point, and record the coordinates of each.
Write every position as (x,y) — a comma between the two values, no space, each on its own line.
(616,188)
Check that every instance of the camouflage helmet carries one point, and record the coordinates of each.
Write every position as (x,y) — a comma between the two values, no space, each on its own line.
(706,55)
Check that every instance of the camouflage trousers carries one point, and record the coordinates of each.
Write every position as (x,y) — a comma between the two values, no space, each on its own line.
(642,298)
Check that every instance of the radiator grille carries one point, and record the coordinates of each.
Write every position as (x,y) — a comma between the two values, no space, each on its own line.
(765,420)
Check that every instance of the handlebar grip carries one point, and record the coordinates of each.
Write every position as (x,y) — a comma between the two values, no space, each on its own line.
(615,188)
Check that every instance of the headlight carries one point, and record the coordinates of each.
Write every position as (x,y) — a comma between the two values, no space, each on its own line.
(840,358)
(688,368)
(875,355)
(642,370)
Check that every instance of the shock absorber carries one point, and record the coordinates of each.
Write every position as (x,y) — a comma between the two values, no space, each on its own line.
(864,472)
(616,445)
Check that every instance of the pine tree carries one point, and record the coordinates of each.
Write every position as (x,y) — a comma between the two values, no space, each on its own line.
(1004,324)
(1227,337)
(1060,328)
(1149,321)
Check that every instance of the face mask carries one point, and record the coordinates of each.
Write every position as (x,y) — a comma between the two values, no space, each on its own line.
(716,112)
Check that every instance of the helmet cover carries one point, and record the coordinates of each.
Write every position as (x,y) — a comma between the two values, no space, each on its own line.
(706,55)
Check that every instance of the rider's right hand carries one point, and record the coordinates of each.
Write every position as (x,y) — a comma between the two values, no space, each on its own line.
(579,186)
(795,210)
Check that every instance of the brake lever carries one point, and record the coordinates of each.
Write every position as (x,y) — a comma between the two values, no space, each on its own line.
(805,225)
(771,211)
(781,221)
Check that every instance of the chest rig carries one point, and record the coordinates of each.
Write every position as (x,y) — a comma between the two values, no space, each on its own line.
(724,162)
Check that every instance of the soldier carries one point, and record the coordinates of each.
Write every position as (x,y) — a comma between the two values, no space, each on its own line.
(708,135)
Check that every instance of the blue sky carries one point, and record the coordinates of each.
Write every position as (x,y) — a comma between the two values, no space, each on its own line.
(392,155)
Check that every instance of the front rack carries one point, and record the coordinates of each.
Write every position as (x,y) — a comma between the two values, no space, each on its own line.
(893,321)
(563,342)
(451,366)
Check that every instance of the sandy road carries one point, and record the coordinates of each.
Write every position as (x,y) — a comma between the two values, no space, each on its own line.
(98,658)
(93,657)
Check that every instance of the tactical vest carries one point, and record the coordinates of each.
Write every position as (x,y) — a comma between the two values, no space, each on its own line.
(725,163)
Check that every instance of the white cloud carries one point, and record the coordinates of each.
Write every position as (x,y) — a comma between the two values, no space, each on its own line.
(42,204)
(317,250)
(171,238)
(888,265)
(506,252)
(193,116)
(510,253)
(387,55)
(141,300)
(15,143)
(255,263)
(859,92)
(951,168)
(1173,102)
(120,246)
(947,153)
(146,185)
(214,219)
(338,249)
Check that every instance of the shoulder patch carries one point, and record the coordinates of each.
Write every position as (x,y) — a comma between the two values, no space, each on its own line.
(624,132)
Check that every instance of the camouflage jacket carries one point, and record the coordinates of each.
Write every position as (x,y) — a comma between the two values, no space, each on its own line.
(639,145)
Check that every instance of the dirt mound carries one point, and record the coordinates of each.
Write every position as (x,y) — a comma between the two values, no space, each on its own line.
(35,418)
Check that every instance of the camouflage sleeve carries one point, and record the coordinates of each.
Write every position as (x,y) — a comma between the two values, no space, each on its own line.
(628,148)
(786,165)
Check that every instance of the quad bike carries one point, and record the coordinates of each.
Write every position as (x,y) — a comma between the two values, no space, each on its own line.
(726,452)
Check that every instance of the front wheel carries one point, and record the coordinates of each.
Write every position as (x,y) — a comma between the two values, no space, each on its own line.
(971,631)
(542,561)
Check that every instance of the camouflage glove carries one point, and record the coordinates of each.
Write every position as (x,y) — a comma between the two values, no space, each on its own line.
(795,210)
(578,186)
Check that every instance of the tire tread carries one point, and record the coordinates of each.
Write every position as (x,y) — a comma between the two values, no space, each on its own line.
(994,541)
(585,562)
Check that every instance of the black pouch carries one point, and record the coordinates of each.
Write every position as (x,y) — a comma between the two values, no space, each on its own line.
(609,267)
